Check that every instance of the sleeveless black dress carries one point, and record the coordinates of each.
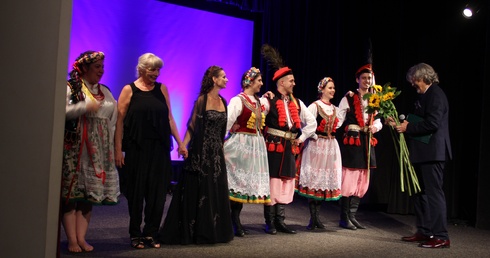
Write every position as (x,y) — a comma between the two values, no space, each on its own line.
(200,209)
(147,146)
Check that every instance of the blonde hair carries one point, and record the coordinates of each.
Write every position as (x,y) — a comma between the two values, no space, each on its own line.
(148,61)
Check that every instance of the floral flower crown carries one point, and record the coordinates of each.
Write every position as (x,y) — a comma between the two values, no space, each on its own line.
(250,75)
(88,59)
(323,83)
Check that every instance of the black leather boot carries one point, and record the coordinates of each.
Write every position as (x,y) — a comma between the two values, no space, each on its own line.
(279,221)
(236,208)
(354,205)
(318,224)
(269,214)
(312,206)
(344,214)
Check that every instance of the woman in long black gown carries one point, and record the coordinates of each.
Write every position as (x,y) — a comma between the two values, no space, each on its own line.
(200,209)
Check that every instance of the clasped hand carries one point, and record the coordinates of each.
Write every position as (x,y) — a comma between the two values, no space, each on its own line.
(183,153)
(401,128)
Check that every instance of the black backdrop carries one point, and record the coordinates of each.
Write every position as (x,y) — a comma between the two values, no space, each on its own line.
(329,38)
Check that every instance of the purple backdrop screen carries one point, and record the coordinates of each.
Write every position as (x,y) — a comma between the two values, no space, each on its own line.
(188,41)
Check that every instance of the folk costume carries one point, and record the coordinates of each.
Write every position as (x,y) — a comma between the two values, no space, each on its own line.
(320,175)
(287,119)
(357,143)
(246,156)
(89,173)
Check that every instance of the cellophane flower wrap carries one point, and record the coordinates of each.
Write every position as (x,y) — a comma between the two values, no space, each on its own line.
(380,102)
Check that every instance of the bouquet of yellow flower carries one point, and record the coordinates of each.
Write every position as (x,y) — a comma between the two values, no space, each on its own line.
(380,102)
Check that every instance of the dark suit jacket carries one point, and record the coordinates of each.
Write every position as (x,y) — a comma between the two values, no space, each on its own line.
(433,107)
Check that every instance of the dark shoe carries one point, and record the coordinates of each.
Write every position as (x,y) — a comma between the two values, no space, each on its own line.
(239,232)
(417,237)
(270,229)
(344,214)
(436,243)
(319,225)
(279,219)
(354,202)
(151,242)
(347,224)
(315,222)
(356,223)
(281,227)
(137,243)
(311,225)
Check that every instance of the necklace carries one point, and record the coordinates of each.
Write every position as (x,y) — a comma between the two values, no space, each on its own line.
(99,96)
(325,102)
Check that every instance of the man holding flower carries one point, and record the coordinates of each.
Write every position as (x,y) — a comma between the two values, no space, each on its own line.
(357,145)
(429,146)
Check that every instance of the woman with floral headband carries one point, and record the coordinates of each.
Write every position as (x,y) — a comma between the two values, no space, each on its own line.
(320,175)
(89,172)
(245,149)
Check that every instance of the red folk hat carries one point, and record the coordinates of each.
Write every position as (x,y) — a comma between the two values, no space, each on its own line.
(367,68)
(283,71)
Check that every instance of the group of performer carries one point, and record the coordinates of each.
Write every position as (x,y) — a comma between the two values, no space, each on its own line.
(258,150)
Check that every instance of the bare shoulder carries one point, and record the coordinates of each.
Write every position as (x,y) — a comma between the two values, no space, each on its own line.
(163,87)
(126,93)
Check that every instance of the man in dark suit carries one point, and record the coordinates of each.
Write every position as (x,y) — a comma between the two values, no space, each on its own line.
(429,147)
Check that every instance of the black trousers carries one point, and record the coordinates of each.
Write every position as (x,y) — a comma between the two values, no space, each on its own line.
(430,203)
(148,177)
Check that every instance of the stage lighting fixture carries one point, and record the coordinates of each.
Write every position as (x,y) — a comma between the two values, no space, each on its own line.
(469,11)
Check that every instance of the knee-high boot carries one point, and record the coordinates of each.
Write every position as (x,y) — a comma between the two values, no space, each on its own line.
(354,205)
(313,215)
(236,208)
(318,224)
(279,219)
(269,214)
(344,214)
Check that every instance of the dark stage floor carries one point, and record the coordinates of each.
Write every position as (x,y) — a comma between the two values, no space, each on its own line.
(108,233)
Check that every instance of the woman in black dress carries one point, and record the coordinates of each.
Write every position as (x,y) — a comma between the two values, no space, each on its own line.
(200,209)
(144,128)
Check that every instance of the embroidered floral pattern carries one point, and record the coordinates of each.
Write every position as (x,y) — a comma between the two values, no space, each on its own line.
(252,122)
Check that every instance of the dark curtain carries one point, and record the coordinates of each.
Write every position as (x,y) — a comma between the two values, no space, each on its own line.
(328,38)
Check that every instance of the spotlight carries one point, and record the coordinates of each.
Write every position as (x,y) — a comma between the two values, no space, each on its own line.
(469,11)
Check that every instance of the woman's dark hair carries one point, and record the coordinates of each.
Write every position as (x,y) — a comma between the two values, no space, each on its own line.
(207,80)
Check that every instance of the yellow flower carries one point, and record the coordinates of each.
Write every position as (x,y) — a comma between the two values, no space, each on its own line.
(388,96)
(378,88)
(374,101)
(380,103)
